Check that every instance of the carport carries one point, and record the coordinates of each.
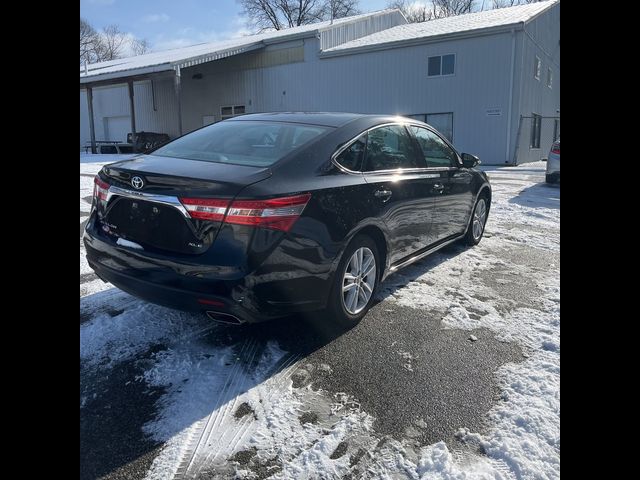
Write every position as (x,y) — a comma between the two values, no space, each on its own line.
(152,67)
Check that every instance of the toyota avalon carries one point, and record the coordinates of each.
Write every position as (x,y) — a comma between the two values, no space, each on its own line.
(264,215)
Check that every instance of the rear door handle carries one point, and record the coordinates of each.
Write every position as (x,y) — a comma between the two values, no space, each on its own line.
(438,187)
(384,194)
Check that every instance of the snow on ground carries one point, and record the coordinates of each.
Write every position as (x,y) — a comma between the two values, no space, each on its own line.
(525,433)
(236,400)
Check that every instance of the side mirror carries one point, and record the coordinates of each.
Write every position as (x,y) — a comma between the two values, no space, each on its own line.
(470,161)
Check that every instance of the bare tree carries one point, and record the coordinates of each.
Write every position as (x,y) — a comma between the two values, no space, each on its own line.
(510,3)
(140,46)
(340,9)
(450,8)
(280,14)
(89,40)
(113,42)
(414,12)
(109,44)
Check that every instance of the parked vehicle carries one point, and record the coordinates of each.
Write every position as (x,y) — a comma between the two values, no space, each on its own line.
(553,163)
(145,141)
(108,147)
(264,215)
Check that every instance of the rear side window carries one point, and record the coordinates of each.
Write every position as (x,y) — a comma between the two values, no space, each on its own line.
(250,143)
(435,151)
(351,158)
(390,148)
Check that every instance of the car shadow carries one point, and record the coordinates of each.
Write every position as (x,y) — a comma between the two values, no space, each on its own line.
(539,195)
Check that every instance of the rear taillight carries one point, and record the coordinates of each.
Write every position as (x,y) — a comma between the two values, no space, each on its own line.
(100,189)
(275,213)
(205,209)
(555,148)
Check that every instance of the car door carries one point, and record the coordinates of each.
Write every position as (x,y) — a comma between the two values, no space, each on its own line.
(401,189)
(454,200)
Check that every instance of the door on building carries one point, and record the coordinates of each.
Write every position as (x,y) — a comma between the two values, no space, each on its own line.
(116,128)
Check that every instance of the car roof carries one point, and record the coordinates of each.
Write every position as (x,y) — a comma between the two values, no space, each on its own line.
(329,119)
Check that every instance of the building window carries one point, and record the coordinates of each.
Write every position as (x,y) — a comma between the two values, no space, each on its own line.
(549,77)
(537,65)
(536,127)
(231,111)
(441,65)
(443,123)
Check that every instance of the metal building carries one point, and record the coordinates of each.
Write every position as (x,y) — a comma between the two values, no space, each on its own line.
(490,81)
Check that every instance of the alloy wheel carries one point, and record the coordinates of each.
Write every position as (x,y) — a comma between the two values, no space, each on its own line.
(359,280)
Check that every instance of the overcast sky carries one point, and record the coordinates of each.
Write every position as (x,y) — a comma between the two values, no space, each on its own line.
(177,23)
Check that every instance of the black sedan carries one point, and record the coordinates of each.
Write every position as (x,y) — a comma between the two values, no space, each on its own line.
(264,215)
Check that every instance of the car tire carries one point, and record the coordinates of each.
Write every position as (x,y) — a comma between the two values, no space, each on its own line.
(340,307)
(481,208)
(550,178)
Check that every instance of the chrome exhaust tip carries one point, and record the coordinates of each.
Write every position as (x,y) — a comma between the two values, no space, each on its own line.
(225,318)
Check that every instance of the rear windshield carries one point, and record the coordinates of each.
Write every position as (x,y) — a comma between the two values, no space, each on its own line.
(245,142)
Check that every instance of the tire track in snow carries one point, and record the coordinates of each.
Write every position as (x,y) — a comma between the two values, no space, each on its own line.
(220,433)
(188,467)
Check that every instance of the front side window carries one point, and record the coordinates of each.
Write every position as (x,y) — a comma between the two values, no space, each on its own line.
(251,143)
(441,65)
(391,148)
(351,158)
(536,127)
(436,152)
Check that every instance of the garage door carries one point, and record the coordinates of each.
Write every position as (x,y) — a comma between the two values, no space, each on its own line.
(116,128)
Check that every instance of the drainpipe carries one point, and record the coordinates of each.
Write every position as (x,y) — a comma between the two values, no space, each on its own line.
(178,91)
(511,80)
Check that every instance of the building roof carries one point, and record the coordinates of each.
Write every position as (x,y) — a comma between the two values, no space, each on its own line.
(467,24)
(206,52)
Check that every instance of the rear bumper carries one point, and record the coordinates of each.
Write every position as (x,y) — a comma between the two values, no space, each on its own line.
(173,297)
(553,165)
(184,284)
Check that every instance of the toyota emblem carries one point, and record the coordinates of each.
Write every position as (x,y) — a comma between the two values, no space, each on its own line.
(137,182)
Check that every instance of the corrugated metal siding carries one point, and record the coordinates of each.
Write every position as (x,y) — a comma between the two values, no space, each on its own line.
(233,81)
(113,101)
(389,81)
(164,119)
(345,33)
(534,95)
(273,55)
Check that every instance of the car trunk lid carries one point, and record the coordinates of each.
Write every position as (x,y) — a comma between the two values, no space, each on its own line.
(147,201)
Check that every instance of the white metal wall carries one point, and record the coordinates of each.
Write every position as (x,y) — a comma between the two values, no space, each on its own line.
(389,82)
(533,95)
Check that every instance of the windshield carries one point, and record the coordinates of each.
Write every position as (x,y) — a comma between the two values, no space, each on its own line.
(251,143)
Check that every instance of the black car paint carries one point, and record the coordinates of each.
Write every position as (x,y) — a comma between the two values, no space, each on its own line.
(256,273)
